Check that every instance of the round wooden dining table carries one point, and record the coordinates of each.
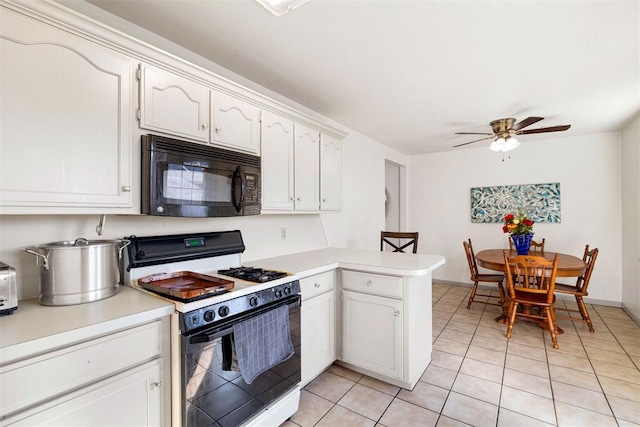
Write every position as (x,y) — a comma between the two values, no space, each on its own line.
(568,265)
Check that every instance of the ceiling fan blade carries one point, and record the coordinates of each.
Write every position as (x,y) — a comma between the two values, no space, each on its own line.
(473,133)
(471,142)
(543,130)
(526,122)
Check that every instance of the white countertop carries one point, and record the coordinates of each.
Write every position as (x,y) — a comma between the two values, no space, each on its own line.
(317,261)
(33,326)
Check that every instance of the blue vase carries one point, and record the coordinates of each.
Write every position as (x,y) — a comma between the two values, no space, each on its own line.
(522,243)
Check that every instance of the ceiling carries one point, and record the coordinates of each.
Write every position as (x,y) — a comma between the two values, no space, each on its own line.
(411,73)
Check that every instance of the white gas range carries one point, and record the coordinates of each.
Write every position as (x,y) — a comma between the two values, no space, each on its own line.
(207,386)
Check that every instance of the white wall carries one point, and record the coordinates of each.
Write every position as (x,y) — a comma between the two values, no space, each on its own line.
(588,170)
(362,217)
(357,226)
(631,218)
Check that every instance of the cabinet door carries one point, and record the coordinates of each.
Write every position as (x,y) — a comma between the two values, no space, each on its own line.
(132,398)
(65,114)
(372,333)
(174,105)
(330,173)
(318,335)
(307,168)
(277,162)
(234,123)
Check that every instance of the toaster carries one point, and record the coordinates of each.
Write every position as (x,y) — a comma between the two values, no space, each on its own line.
(8,289)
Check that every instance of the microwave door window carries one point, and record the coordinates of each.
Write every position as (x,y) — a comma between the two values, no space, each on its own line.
(196,185)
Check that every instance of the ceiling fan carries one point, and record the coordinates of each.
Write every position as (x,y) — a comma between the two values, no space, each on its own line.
(504,131)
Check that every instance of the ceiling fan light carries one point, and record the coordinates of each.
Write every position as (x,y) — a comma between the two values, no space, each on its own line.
(280,7)
(511,143)
(498,145)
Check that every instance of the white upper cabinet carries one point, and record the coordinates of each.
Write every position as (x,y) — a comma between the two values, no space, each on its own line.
(330,173)
(291,166)
(277,162)
(307,168)
(235,123)
(173,104)
(65,114)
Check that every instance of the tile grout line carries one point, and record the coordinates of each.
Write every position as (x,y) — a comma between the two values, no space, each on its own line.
(616,327)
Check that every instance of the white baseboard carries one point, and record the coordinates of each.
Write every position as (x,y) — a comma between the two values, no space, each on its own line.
(559,296)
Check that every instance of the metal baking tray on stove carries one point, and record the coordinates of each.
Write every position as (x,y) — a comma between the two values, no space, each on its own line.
(185,285)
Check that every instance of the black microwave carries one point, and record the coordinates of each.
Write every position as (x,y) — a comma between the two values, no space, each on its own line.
(185,179)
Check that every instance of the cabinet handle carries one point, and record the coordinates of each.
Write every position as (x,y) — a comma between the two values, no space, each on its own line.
(205,125)
(126,188)
(396,313)
(292,199)
(156,385)
(324,200)
(218,129)
(299,199)
(369,283)
(316,285)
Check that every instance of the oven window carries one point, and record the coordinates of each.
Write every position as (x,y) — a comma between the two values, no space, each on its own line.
(195,184)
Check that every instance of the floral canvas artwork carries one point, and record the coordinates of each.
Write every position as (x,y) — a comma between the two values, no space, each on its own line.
(539,202)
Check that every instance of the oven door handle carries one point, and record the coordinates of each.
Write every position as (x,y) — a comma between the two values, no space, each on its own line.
(215,332)
(208,337)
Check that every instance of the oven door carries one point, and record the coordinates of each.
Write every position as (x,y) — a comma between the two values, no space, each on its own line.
(212,395)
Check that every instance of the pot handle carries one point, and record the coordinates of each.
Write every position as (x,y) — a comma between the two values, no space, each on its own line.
(45,263)
(81,240)
(126,243)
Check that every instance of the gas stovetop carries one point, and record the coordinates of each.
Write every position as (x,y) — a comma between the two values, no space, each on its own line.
(251,274)
(215,255)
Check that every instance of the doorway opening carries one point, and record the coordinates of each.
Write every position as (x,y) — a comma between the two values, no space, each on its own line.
(395,196)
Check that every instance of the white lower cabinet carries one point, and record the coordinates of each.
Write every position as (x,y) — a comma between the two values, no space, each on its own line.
(118,379)
(386,326)
(372,333)
(132,398)
(318,324)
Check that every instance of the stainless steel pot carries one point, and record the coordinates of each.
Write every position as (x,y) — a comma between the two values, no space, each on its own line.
(79,271)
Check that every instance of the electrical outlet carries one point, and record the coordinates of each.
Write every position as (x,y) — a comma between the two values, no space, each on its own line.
(283,233)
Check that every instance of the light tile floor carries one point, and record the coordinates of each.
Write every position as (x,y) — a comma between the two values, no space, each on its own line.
(477,377)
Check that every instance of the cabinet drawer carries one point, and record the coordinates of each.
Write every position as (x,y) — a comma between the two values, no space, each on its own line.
(372,283)
(49,375)
(315,285)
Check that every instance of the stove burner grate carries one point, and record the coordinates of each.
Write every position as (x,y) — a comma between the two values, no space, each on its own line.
(251,274)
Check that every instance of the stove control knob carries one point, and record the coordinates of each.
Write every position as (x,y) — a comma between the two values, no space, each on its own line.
(253,301)
(278,293)
(209,315)
(223,311)
(287,291)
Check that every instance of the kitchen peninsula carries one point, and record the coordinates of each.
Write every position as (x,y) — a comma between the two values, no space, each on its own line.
(369,310)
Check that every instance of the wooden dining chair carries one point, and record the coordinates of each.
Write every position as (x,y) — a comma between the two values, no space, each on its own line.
(530,283)
(534,247)
(477,277)
(405,240)
(579,290)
